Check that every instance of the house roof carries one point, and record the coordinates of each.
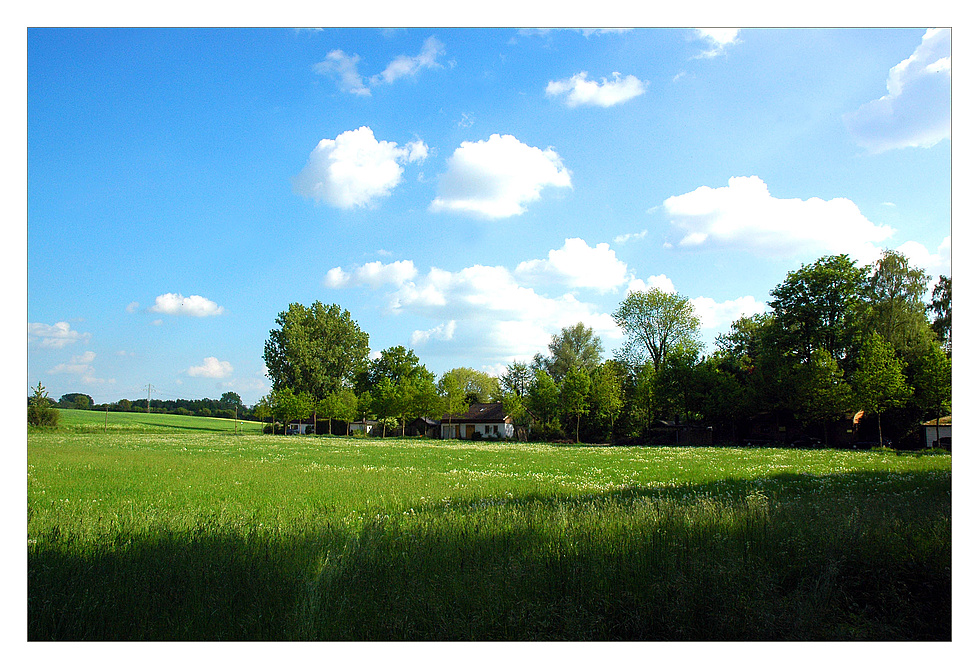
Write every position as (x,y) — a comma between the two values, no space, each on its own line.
(480,413)
(944,420)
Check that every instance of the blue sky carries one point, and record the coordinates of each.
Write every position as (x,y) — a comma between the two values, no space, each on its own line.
(462,192)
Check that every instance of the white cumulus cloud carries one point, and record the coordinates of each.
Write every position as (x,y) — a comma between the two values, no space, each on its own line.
(372,274)
(498,177)
(917,110)
(212,369)
(660,281)
(745,215)
(176,304)
(935,264)
(355,169)
(577,265)
(58,335)
(579,90)
(487,313)
(714,314)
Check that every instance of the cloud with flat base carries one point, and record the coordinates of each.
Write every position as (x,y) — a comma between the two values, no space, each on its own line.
(498,177)
(744,215)
(355,169)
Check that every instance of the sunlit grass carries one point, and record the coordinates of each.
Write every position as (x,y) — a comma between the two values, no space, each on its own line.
(77,420)
(212,536)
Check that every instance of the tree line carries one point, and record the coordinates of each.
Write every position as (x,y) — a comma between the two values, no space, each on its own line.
(839,338)
(229,405)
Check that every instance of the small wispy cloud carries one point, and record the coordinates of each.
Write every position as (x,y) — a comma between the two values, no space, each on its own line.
(175,304)
(337,62)
(442,332)
(630,237)
(578,90)
(719,39)
(212,369)
(409,66)
(58,335)
(345,67)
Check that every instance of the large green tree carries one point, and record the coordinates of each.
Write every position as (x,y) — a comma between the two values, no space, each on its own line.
(575,346)
(821,306)
(878,379)
(543,398)
(896,292)
(317,349)
(394,363)
(76,401)
(822,393)
(288,405)
(478,387)
(941,307)
(387,402)
(655,323)
(932,376)
(517,379)
(605,397)
(574,396)
(454,399)
(232,400)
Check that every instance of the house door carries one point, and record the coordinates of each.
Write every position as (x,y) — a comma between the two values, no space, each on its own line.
(469,431)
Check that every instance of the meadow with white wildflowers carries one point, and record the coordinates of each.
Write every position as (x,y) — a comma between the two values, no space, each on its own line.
(185,536)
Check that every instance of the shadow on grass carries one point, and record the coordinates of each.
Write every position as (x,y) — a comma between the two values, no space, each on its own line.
(845,556)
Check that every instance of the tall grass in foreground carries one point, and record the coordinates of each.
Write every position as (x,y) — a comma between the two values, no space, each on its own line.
(277,538)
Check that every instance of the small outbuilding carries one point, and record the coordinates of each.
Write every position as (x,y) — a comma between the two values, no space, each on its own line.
(362,427)
(422,427)
(938,433)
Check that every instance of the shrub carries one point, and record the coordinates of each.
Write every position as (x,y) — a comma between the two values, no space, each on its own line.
(40,413)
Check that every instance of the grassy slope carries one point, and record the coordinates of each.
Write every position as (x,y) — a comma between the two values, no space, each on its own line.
(195,535)
(87,421)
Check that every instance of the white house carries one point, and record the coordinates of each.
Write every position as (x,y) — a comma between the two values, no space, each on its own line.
(489,420)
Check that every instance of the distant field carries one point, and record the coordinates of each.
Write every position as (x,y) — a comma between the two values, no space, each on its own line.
(121,421)
(199,534)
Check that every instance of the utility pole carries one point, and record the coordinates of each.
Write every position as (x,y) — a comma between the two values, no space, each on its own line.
(149,389)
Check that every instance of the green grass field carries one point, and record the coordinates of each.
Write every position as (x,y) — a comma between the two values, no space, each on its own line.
(195,534)
(76,420)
